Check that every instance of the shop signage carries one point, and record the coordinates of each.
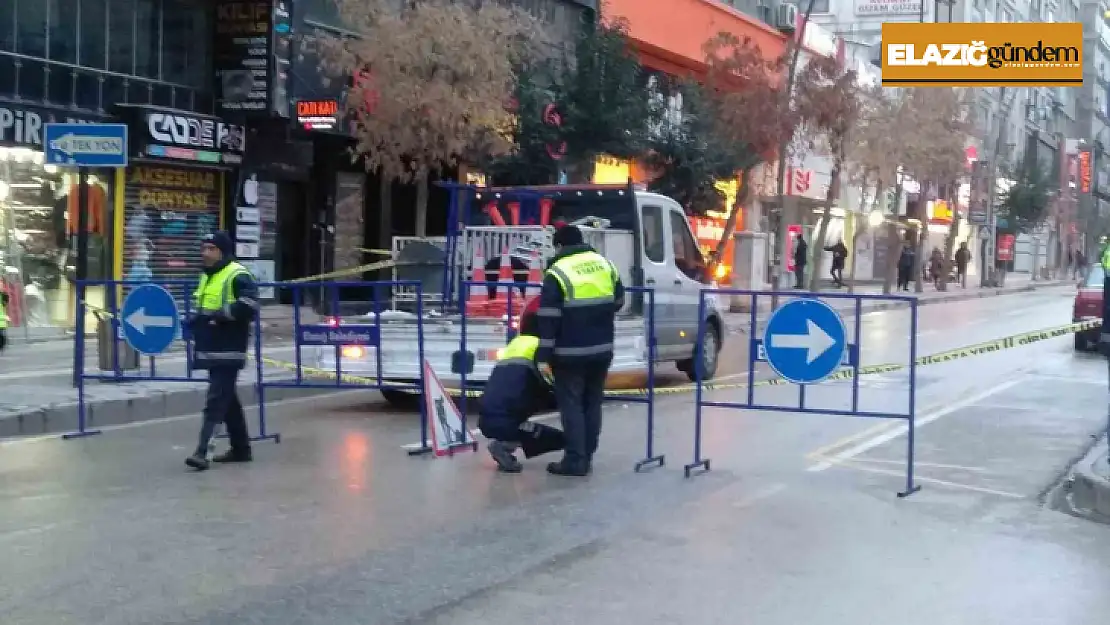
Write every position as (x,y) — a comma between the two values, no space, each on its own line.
(883,8)
(1005,247)
(1085,171)
(23,126)
(318,114)
(252,57)
(798,181)
(183,136)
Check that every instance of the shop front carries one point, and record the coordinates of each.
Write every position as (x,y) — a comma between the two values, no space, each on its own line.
(173,192)
(38,221)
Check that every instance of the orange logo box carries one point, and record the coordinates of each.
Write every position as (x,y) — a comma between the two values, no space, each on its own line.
(983,55)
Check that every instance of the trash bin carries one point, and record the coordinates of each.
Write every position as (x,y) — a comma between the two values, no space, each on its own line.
(106,343)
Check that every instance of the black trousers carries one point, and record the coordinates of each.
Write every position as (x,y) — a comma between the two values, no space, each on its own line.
(579,391)
(221,405)
(535,439)
(3,338)
(799,276)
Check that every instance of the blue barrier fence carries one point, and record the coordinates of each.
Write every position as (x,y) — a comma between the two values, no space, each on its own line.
(514,299)
(804,343)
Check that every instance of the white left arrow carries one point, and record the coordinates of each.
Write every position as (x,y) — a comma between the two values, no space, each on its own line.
(141,321)
(815,341)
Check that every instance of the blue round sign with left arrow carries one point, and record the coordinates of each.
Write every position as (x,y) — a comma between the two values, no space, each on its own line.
(150,319)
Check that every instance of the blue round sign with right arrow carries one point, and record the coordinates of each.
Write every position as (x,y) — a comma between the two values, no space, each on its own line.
(805,341)
(150,319)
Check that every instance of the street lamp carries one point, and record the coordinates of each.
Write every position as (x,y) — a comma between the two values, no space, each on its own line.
(875,218)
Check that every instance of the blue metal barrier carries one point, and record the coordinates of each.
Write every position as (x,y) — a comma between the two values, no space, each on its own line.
(341,335)
(463,361)
(817,348)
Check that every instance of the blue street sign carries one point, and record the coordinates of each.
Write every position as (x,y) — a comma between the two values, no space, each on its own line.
(805,341)
(86,145)
(150,319)
(344,335)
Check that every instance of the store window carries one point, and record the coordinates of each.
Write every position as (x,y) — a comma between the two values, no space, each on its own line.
(93,40)
(63,31)
(30,27)
(38,228)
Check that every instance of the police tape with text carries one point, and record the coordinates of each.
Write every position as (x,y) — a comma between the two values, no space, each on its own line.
(978,349)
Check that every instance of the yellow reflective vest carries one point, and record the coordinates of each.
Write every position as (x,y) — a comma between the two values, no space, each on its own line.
(213,294)
(521,350)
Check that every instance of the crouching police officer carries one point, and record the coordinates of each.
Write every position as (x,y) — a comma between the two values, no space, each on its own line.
(225,304)
(581,295)
(515,391)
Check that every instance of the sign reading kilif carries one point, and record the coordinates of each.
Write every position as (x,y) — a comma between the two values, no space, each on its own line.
(318,114)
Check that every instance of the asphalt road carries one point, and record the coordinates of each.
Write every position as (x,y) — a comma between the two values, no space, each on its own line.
(797,522)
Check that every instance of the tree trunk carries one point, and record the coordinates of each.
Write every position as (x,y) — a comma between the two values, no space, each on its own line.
(818,245)
(893,244)
(421,182)
(919,245)
(788,93)
(950,242)
(742,198)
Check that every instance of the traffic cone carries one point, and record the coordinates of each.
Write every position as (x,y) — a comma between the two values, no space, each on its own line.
(535,276)
(500,305)
(477,300)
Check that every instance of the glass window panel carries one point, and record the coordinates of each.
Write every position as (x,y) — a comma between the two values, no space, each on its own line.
(186,43)
(7,76)
(115,90)
(162,96)
(32,80)
(93,33)
(30,25)
(88,90)
(63,31)
(148,17)
(121,36)
(59,85)
(7,26)
(138,92)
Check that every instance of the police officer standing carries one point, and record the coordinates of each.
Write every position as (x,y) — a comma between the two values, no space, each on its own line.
(225,304)
(581,295)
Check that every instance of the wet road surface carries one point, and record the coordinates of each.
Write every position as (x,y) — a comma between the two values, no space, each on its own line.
(797,522)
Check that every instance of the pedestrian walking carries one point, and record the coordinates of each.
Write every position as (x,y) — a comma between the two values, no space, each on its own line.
(963,257)
(801,255)
(515,391)
(225,304)
(840,256)
(905,267)
(580,297)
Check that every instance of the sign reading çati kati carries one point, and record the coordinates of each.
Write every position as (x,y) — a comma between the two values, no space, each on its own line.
(318,114)
(982,55)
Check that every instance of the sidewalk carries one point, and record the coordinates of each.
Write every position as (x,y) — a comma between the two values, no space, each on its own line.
(739,320)
(1089,488)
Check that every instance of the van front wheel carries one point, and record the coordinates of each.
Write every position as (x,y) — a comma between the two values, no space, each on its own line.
(710,349)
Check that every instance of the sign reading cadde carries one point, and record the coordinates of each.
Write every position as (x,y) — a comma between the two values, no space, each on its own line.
(983,55)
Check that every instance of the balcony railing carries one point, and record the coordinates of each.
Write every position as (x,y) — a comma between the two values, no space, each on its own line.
(72,86)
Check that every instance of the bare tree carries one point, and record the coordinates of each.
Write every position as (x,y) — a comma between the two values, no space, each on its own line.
(430,82)
(827,103)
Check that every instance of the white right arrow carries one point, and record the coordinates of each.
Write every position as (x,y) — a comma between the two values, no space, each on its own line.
(141,321)
(815,341)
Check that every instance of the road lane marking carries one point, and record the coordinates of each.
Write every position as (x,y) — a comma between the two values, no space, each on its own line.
(856,465)
(901,429)
(928,465)
(874,429)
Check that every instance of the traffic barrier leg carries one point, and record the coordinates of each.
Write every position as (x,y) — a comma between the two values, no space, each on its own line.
(651,459)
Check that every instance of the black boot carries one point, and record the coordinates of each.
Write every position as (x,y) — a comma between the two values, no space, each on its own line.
(233,455)
(197,461)
(568,468)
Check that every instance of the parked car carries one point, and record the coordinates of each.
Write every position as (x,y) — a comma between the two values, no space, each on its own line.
(1088,305)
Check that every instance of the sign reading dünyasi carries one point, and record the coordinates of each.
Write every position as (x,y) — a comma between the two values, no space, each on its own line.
(982,55)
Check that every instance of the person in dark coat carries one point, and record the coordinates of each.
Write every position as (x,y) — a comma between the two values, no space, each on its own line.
(225,305)
(905,267)
(840,256)
(516,391)
(963,257)
(801,255)
(579,300)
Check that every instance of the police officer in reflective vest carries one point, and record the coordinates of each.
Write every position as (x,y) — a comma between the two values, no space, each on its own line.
(224,307)
(581,295)
(514,392)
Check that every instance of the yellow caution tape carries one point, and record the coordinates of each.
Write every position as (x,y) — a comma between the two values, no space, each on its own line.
(978,349)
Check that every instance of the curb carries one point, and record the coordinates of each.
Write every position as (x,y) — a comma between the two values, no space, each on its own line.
(155,404)
(1089,489)
(943,299)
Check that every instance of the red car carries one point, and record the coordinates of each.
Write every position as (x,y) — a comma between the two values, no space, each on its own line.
(1088,305)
